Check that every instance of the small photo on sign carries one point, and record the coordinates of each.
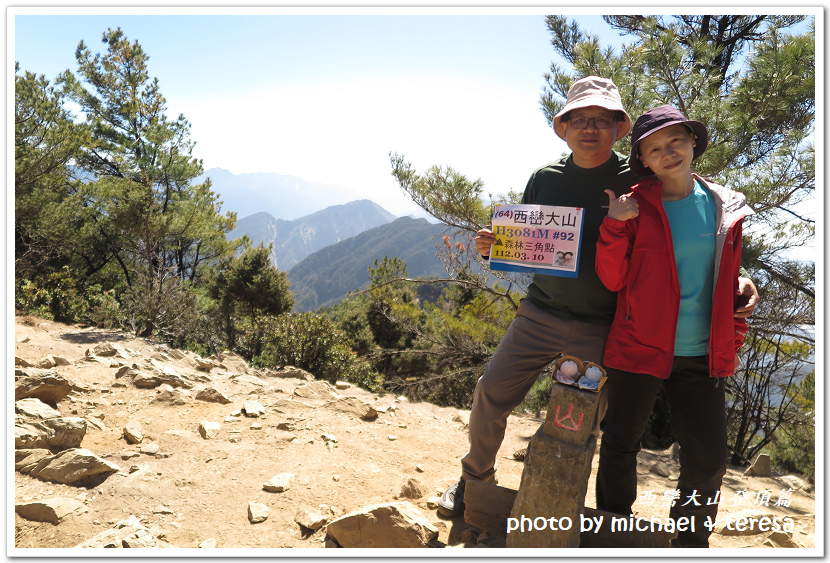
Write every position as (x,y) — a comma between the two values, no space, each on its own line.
(564,259)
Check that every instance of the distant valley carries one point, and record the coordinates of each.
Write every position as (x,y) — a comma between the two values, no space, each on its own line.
(326,276)
(324,244)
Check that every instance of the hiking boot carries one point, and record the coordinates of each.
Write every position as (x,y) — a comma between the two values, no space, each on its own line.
(452,501)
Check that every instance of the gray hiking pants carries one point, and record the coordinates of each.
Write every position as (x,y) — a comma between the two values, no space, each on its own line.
(532,341)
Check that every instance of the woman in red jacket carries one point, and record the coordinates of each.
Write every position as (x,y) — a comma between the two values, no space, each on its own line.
(671,249)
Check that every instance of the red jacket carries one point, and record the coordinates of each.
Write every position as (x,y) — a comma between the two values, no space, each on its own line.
(636,259)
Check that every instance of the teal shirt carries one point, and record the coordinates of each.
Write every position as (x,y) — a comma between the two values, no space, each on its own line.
(693,230)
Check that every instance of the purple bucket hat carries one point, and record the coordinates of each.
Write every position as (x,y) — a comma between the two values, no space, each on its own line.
(659,118)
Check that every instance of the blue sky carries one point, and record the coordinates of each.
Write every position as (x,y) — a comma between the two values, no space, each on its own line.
(327,96)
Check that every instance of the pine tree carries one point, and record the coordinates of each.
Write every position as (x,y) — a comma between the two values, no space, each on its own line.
(146,215)
(45,142)
(248,288)
(753,85)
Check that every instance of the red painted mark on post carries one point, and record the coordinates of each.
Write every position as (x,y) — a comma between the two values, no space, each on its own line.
(573,426)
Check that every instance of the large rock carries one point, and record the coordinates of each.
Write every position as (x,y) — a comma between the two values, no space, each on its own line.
(50,361)
(133,432)
(129,533)
(234,363)
(20,362)
(176,354)
(46,385)
(65,432)
(247,379)
(35,408)
(28,436)
(783,539)
(146,380)
(209,430)
(169,395)
(309,518)
(125,371)
(279,483)
(761,468)
(58,433)
(320,390)
(353,405)
(105,350)
(164,373)
(397,524)
(797,483)
(25,459)
(48,510)
(73,466)
(292,372)
(212,395)
(257,512)
(201,364)
(253,409)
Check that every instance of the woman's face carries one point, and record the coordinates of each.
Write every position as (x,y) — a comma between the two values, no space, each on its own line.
(668,152)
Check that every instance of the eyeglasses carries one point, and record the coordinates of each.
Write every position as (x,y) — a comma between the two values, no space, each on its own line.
(599,122)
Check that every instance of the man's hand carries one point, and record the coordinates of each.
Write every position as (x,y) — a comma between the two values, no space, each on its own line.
(484,240)
(622,208)
(747,290)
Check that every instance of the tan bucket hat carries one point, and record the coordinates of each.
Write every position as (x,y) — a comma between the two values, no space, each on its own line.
(593,91)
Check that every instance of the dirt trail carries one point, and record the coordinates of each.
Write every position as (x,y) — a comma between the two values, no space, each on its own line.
(195,489)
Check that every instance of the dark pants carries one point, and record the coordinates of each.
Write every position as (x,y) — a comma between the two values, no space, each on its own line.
(697,404)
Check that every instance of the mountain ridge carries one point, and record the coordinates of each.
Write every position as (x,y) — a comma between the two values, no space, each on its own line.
(293,240)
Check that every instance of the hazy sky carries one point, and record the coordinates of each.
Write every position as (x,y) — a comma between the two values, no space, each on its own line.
(327,94)
(327,97)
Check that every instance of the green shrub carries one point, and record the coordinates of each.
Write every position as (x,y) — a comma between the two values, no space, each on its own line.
(793,450)
(538,397)
(793,447)
(58,296)
(106,311)
(311,342)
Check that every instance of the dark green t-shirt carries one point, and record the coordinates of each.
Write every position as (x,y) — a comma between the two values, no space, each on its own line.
(583,298)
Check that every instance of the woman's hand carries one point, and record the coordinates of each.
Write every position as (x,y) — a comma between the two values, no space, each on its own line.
(622,208)
(749,293)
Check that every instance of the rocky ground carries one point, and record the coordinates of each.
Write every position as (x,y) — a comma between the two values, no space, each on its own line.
(210,453)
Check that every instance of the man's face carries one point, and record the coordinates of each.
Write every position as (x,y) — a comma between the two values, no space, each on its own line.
(590,144)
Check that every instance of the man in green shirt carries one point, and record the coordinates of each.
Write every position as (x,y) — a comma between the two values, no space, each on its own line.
(560,315)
